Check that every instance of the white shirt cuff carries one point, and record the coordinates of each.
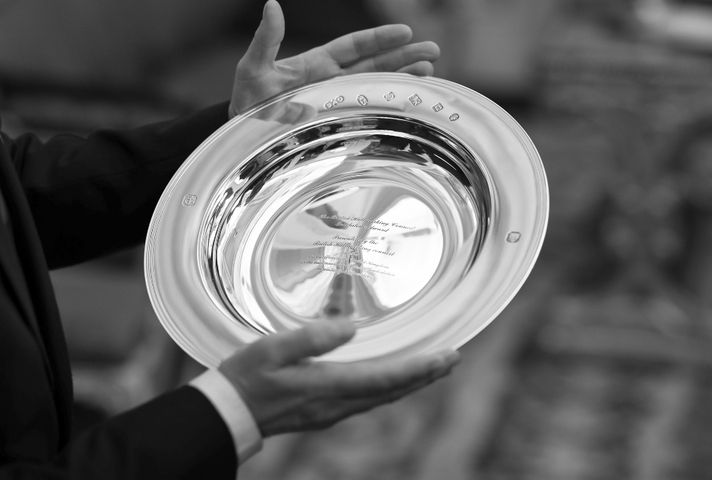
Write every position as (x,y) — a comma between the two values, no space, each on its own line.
(233,410)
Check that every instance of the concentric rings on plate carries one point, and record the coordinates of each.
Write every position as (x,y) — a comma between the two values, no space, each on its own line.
(413,207)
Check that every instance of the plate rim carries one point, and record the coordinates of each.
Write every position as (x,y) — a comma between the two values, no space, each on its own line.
(182,338)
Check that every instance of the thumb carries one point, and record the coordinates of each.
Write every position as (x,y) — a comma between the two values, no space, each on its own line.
(284,348)
(264,47)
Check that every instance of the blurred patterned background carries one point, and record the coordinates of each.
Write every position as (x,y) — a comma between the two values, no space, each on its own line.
(600,368)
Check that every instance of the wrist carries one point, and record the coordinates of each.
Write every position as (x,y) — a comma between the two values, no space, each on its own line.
(238,418)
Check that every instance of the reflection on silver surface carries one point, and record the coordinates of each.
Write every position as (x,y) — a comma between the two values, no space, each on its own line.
(413,207)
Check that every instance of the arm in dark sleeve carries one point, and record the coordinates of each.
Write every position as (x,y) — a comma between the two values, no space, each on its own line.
(96,195)
(176,436)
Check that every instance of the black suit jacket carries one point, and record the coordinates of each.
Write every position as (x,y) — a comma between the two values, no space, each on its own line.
(72,199)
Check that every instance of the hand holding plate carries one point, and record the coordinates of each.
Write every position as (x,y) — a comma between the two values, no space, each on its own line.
(287,392)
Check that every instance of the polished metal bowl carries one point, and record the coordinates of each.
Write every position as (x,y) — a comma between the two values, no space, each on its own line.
(413,207)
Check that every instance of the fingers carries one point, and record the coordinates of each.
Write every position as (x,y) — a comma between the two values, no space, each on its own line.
(390,377)
(290,113)
(264,47)
(363,403)
(285,348)
(362,400)
(441,367)
(354,46)
(419,69)
(413,57)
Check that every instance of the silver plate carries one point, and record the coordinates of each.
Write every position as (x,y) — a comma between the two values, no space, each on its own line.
(412,206)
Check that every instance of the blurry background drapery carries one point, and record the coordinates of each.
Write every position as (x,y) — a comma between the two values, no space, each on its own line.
(600,368)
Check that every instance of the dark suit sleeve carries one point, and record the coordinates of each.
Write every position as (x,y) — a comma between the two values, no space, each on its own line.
(176,436)
(89,197)
(93,196)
